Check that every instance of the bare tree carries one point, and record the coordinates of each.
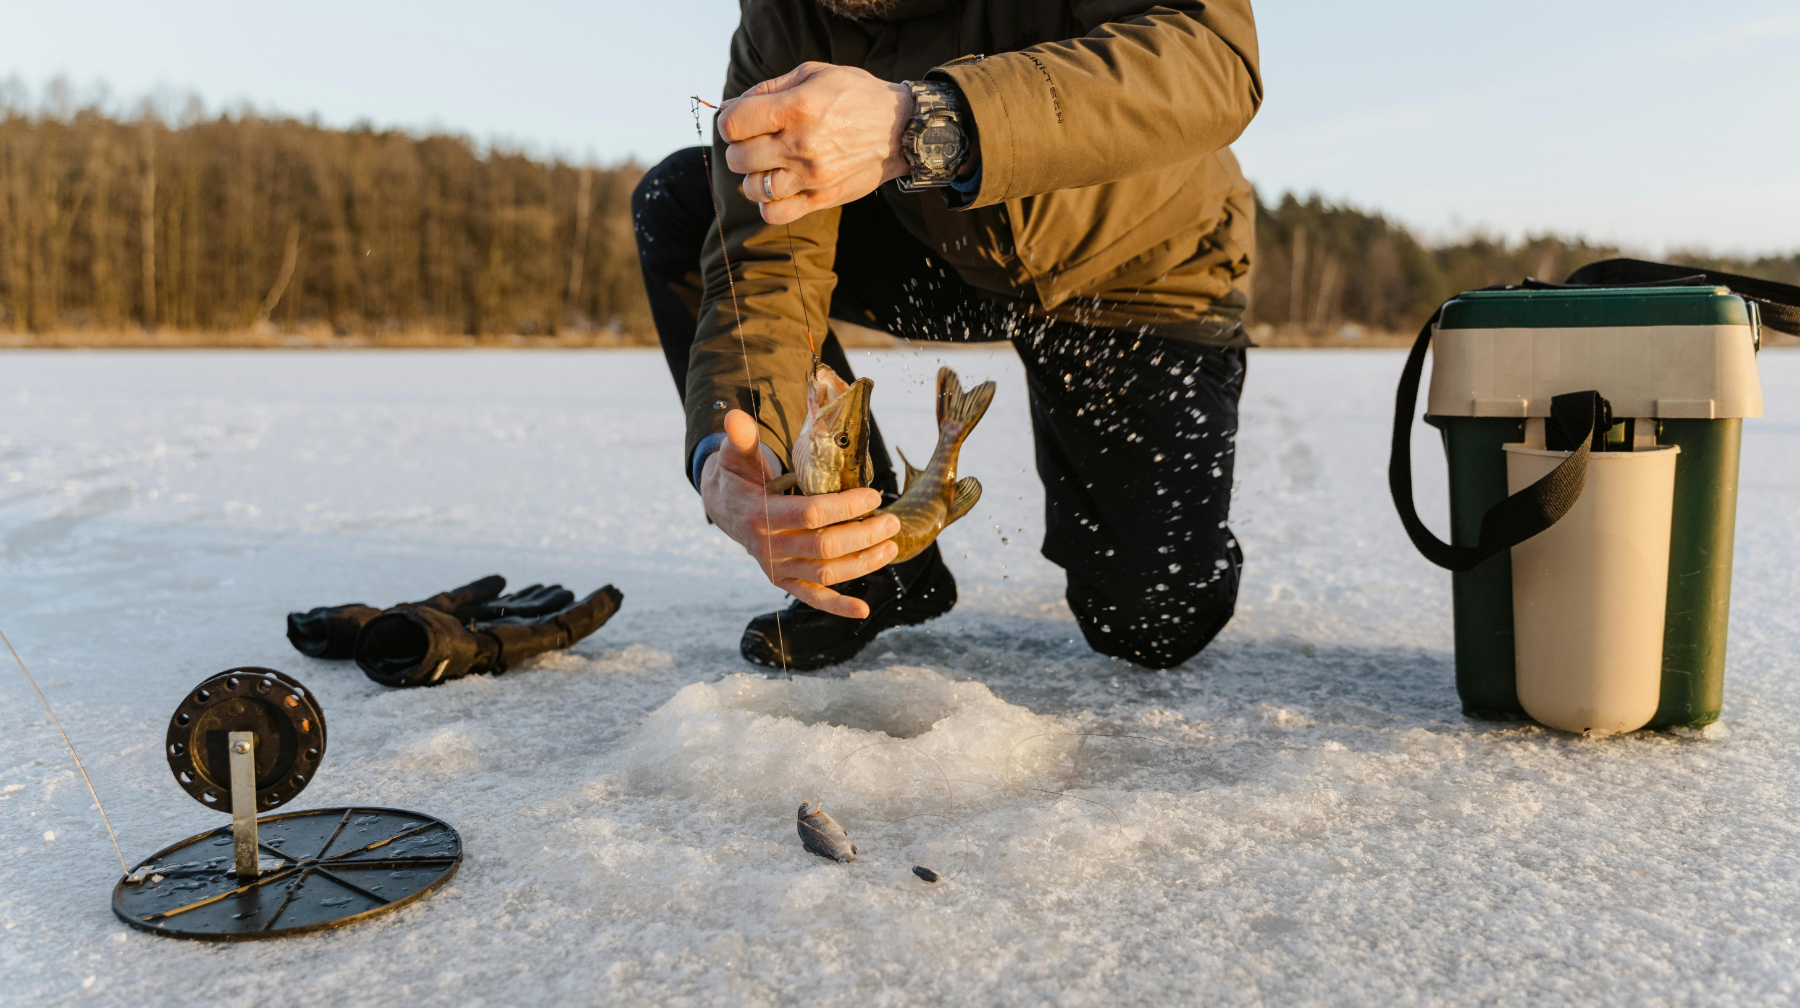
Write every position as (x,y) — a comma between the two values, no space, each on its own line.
(147,220)
(578,250)
(289,257)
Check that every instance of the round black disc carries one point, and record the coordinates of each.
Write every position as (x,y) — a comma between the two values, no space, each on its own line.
(289,727)
(322,868)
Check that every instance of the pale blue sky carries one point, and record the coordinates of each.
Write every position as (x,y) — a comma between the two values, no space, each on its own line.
(1656,123)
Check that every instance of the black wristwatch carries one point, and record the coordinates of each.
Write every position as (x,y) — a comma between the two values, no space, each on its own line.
(936,141)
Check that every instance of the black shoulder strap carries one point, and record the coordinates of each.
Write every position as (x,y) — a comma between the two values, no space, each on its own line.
(1582,416)
(1778,303)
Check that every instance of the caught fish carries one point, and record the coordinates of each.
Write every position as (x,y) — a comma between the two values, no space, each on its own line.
(925,873)
(832,451)
(821,834)
(934,497)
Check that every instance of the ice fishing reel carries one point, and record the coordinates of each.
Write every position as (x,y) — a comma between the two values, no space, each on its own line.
(274,709)
(250,740)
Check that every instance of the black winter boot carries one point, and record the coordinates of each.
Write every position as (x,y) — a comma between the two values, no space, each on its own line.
(804,638)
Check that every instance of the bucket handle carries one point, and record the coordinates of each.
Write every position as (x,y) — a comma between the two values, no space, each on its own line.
(1583,417)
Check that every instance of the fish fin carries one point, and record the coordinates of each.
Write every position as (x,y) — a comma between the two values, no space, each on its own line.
(968,491)
(782,483)
(964,409)
(911,472)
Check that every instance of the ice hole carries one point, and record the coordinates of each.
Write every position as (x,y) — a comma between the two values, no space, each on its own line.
(900,703)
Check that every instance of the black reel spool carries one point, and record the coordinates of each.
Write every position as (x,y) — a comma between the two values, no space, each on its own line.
(315,869)
(287,722)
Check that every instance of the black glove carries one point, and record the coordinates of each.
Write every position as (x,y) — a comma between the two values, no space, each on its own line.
(538,600)
(330,631)
(422,647)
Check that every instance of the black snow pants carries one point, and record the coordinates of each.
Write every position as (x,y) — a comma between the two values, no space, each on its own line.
(1134,433)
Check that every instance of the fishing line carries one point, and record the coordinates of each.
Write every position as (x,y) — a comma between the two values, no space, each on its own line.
(71,747)
(951,805)
(949,792)
(1118,821)
(941,876)
(1088,735)
(743,351)
(805,313)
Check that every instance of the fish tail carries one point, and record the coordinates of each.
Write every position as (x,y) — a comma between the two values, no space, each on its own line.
(958,410)
(949,389)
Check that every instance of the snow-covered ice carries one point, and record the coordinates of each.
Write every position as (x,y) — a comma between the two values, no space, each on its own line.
(1329,831)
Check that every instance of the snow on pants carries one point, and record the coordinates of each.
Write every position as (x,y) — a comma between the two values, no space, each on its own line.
(1134,433)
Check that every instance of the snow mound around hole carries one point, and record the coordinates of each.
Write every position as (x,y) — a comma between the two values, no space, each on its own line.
(919,768)
(749,738)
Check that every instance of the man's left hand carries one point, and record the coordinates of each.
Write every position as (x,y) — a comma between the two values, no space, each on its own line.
(820,135)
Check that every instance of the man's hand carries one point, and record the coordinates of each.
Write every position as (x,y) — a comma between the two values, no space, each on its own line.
(802,543)
(822,135)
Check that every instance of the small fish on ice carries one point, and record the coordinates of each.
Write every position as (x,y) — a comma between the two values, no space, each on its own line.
(821,834)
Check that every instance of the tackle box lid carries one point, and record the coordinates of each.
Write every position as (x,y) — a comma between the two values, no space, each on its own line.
(1656,352)
(1595,306)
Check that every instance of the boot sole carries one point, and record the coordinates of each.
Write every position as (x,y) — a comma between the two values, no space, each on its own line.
(941,580)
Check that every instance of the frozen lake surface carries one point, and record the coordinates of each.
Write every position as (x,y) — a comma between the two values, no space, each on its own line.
(1333,832)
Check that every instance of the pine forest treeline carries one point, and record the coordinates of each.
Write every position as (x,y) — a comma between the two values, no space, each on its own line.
(235,223)
(1319,266)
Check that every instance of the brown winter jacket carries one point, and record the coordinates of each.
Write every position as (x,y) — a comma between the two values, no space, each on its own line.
(1108,193)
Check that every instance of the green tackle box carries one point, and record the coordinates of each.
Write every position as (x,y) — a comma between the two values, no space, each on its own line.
(1678,361)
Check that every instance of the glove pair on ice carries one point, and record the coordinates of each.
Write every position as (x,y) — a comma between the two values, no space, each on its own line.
(464,631)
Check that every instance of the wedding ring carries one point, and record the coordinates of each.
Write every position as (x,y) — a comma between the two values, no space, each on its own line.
(768,187)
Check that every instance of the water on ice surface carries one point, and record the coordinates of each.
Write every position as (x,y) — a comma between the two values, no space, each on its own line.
(1330,832)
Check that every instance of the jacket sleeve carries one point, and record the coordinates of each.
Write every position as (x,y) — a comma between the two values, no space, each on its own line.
(1145,88)
(750,342)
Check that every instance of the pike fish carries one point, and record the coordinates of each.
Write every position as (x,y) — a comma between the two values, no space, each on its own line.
(821,834)
(832,451)
(934,497)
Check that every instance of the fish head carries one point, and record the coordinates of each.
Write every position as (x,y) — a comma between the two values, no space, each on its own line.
(839,430)
(808,809)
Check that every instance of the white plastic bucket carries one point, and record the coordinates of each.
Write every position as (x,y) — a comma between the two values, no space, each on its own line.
(1589,592)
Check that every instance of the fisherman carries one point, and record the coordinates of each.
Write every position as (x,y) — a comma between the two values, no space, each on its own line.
(1052,172)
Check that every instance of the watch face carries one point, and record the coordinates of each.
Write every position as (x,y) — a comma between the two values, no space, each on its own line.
(940,143)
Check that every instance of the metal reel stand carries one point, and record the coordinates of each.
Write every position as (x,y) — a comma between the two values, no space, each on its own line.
(251,739)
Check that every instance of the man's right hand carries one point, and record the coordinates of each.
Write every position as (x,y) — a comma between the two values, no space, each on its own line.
(802,543)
